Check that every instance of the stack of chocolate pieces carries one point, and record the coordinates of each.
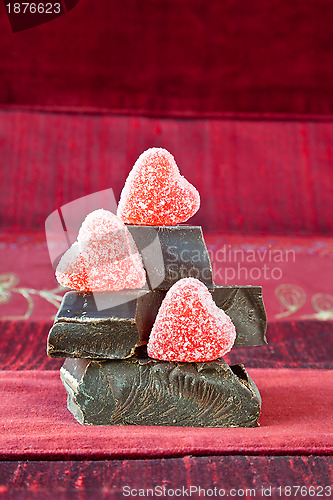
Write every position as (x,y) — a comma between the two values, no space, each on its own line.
(145,330)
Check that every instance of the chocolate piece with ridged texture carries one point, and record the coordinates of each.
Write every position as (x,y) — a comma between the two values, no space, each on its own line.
(83,330)
(143,391)
(244,305)
(170,253)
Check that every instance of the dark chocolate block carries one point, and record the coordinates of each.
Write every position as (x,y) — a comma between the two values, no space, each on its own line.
(81,330)
(170,253)
(246,309)
(143,391)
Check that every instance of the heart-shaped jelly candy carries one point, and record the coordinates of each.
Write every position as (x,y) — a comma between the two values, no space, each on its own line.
(189,326)
(155,193)
(104,257)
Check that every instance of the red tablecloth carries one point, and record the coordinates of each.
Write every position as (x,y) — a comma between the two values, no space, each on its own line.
(35,423)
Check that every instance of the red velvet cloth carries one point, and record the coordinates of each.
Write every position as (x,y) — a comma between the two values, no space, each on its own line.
(187,58)
(296,419)
(258,177)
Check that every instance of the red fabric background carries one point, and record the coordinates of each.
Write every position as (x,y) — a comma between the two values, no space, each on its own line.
(258,177)
(184,57)
(296,418)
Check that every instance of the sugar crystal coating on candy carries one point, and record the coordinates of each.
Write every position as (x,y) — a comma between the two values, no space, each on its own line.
(70,271)
(155,193)
(189,327)
(104,258)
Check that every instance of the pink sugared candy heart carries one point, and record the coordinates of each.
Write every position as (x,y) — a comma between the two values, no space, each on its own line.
(155,193)
(189,326)
(71,271)
(104,257)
